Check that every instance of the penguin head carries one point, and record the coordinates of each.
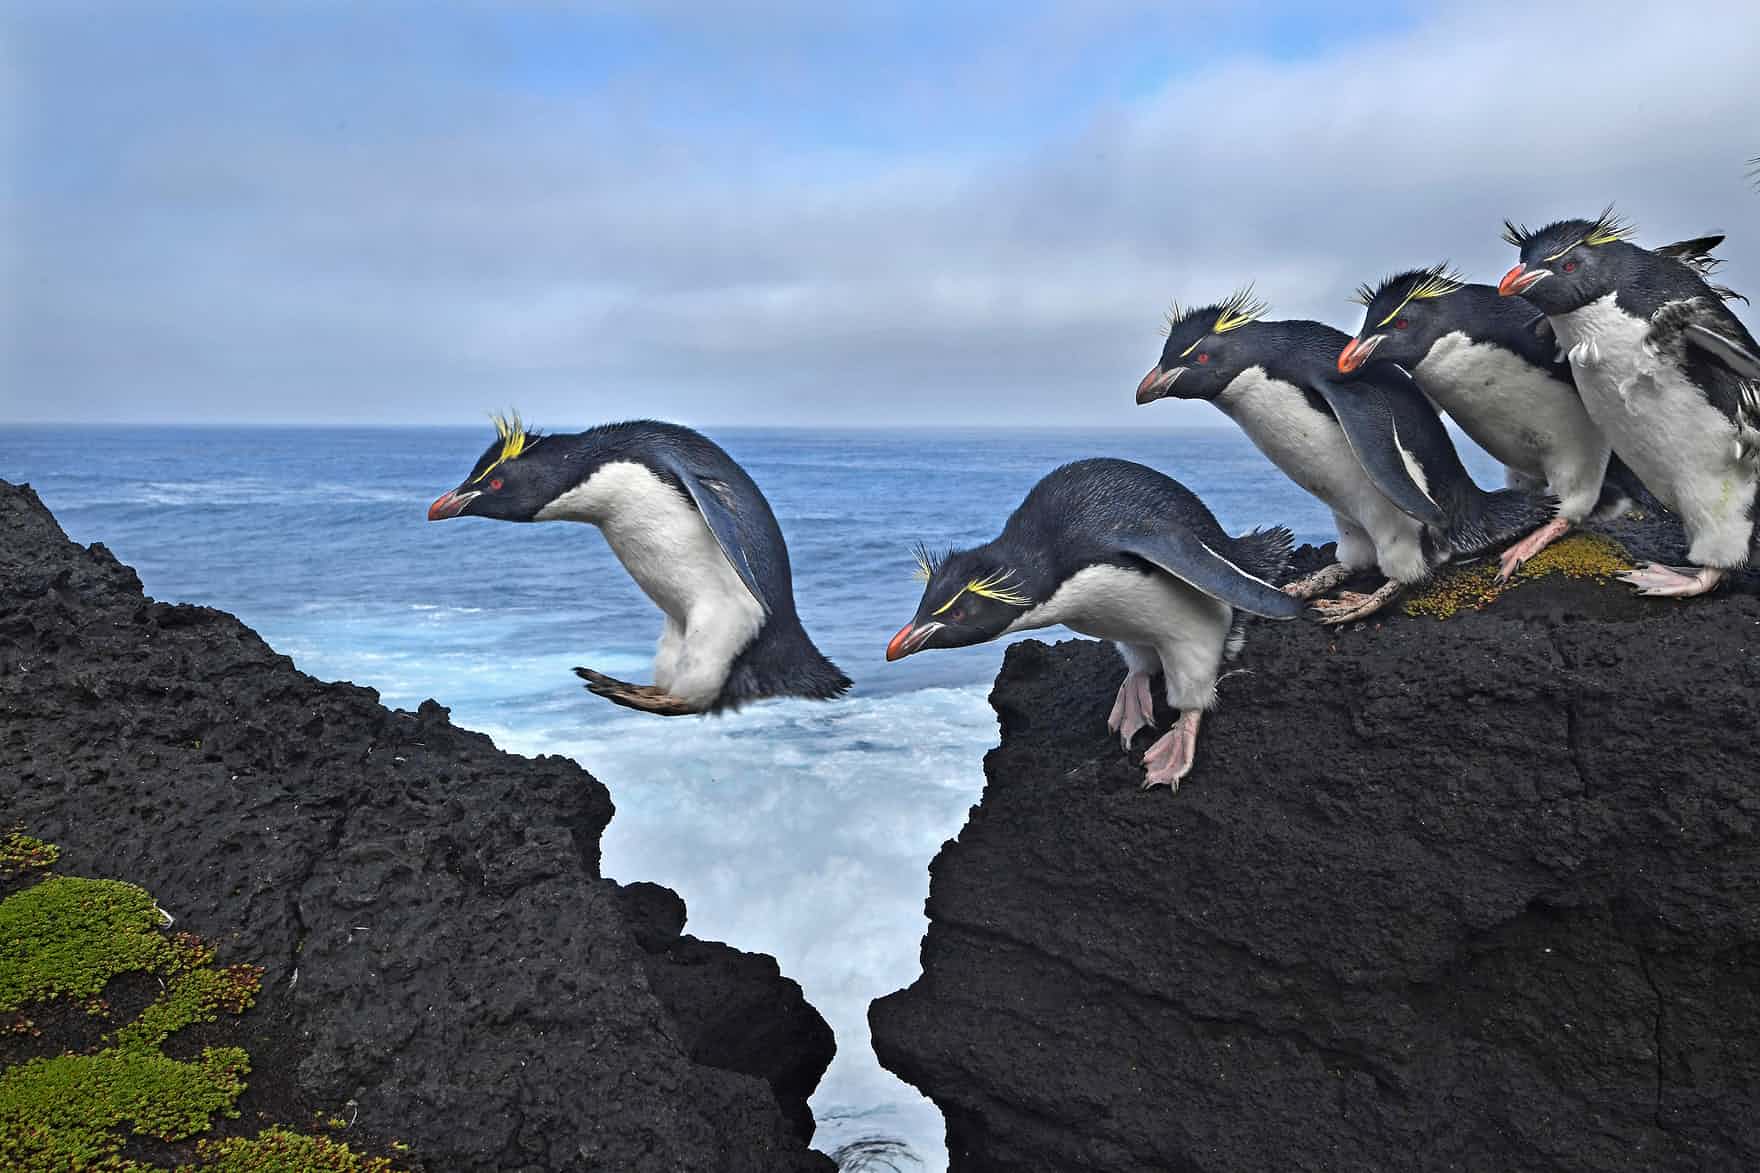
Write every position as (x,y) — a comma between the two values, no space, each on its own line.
(1570,263)
(518,474)
(1403,317)
(1200,358)
(969,597)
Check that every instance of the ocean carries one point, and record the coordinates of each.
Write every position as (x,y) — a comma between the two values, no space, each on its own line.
(799,829)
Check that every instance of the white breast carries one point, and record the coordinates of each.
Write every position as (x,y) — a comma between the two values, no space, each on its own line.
(1311,449)
(673,556)
(1527,419)
(1186,627)
(1681,447)
(1307,445)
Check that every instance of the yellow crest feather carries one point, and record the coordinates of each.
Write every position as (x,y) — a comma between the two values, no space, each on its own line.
(1240,308)
(514,441)
(995,586)
(1609,228)
(1436,282)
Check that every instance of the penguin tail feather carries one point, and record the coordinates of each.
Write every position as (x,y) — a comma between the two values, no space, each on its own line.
(1494,518)
(1265,552)
(782,661)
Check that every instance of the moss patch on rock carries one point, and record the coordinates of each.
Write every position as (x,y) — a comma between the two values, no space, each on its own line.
(19,853)
(1582,555)
(63,940)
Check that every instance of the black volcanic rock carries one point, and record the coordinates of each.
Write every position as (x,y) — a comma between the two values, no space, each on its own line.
(445,964)
(1474,894)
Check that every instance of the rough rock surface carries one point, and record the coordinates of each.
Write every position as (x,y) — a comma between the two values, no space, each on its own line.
(1473,894)
(444,963)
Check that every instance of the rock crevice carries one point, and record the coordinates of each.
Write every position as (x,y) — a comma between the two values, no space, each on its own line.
(466,978)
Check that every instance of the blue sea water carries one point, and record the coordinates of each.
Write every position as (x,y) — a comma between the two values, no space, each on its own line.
(794,828)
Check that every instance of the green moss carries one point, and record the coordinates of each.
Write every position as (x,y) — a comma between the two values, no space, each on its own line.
(276,1150)
(19,853)
(65,938)
(1582,555)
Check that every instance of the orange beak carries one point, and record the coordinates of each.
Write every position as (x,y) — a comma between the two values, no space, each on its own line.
(910,638)
(1521,279)
(449,505)
(1155,384)
(1356,353)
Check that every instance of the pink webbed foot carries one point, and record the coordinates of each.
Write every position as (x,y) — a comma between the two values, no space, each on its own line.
(1657,579)
(1352,606)
(1170,758)
(1512,558)
(1133,710)
(1319,582)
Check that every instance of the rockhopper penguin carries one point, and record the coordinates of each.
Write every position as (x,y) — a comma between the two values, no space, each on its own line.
(1492,364)
(1651,344)
(1116,550)
(696,535)
(1369,446)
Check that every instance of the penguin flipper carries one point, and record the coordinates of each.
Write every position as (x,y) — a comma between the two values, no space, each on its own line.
(1186,557)
(1728,351)
(714,500)
(1367,419)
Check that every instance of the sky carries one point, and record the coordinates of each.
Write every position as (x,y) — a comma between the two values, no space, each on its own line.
(770,212)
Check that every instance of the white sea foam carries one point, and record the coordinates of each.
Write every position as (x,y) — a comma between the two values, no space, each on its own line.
(798,829)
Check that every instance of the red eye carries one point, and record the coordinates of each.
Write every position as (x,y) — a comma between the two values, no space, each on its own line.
(495,485)
(1569,266)
(1401,324)
(959,613)
(1204,358)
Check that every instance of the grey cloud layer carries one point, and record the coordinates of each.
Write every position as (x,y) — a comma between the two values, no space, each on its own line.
(420,254)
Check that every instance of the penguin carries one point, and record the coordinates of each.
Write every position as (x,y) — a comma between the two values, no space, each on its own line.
(1370,447)
(1492,364)
(1637,329)
(694,532)
(1117,550)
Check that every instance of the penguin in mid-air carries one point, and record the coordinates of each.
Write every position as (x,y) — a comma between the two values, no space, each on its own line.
(1116,550)
(1651,345)
(1369,446)
(1492,364)
(696,535)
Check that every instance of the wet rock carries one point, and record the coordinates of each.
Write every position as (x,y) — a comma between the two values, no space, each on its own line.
(1474,894)
(445,964)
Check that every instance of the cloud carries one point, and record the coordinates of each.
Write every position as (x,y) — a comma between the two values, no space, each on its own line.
(772,214)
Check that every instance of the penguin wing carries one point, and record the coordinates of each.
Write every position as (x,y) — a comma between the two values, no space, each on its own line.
(1726,350)
(1363,411)
(719,504)
(1185,556)
(1715,350)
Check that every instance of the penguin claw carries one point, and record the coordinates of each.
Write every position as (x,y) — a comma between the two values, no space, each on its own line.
(1512,558)
(1352,605)
(1170,759)
(1133,710)
(646,698)
(1658,581)
(1318,582)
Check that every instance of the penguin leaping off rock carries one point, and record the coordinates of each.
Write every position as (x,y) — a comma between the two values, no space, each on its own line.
(1492,364)
(1368,445)
(693,531)
(1658,361)
(1116,550)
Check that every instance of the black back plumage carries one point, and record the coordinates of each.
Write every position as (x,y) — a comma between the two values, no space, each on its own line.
(1076,516)
(1470,308)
